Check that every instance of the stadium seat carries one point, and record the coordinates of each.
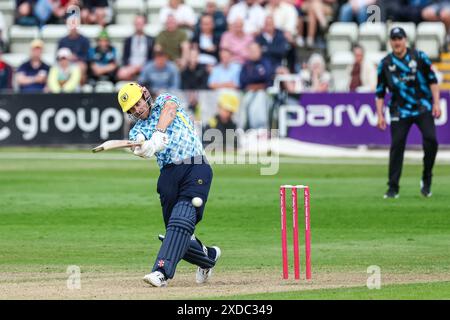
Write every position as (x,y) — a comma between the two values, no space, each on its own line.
(410,29)
(197,5)
(118,33)
(430,38)
(375,57)
(126,10)
(222,3)
(153,8)
(51,33)
(119,85)
(21,37)
(341,36)
(90,31)
(8,9)
(104,86)
(153,29)
(15,59)
(340,63)
(87,88)
(49,58)
(372,36)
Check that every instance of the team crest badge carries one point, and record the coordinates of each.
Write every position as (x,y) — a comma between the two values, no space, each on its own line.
(124,97)
(413,65)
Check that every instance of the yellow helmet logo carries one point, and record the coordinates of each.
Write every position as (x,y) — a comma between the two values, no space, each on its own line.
(129,95)
(124,97)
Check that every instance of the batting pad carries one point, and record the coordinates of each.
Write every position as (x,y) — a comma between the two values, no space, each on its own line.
(195,254)
(177,240)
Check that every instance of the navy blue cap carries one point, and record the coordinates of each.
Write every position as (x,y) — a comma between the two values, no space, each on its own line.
(397,32)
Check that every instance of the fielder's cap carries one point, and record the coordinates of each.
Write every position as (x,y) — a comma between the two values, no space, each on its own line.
(229,101)
(37,43)
(103,35)
(63,53)
(397,32)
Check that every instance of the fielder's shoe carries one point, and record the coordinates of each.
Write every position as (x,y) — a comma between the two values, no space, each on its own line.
(156,279)
(392,194)
(202,275)
(425,189)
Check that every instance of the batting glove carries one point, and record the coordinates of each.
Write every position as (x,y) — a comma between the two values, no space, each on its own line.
(157,143)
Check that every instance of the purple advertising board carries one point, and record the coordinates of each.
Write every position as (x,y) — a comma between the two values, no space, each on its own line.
(347,119)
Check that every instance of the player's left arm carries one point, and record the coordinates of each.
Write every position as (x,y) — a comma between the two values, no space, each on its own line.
(168,114)
(436,111)
(432,81)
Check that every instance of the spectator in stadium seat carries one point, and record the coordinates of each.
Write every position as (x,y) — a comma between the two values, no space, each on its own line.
(236,41)
(174,42)
(257,72)
(206,41)
(285,17)
(403,10)
(24,14)
(96,12)
(363,74)
(273,44)
(52,11)
(220,21)
(32,75)
(225,75)
(184,14)
(315,78)
(251,13)
(65,75)
(138,49)
(195,75)
(3,31)
(6,74)
(78,44)
(160,73)
(318,13)
(103,59)
(228,105)
(439,12)
(355,10)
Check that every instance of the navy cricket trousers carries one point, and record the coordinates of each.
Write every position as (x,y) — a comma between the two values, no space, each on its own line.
(184,181)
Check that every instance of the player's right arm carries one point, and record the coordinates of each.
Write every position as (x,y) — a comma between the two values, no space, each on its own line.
(380,93)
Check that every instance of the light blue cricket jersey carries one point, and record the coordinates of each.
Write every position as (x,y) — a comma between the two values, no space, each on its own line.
(183,141)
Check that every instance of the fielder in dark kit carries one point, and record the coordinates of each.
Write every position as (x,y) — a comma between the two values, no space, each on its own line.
(409,77)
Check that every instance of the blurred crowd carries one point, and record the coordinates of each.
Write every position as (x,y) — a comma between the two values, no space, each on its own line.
(241,47)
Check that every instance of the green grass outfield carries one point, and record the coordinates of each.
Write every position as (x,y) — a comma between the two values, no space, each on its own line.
(102,212)
(419,291)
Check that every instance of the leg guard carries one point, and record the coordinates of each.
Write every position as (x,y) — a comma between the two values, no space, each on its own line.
(196,254)
(178,234)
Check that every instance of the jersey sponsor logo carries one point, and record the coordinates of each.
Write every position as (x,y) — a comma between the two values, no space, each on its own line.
(413,66)
(392,68)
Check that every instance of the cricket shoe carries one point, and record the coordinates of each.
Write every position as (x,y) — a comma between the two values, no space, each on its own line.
(203,274)
(425,189)
(391,194)
(156,279)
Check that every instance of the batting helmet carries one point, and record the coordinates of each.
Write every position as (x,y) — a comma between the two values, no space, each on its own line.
(129,95)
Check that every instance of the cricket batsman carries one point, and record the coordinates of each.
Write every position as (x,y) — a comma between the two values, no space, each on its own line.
(184,182)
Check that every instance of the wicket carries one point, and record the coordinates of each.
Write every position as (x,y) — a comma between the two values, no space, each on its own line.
(284,248)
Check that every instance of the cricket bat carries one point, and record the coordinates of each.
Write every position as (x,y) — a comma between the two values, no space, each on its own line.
(116,144)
